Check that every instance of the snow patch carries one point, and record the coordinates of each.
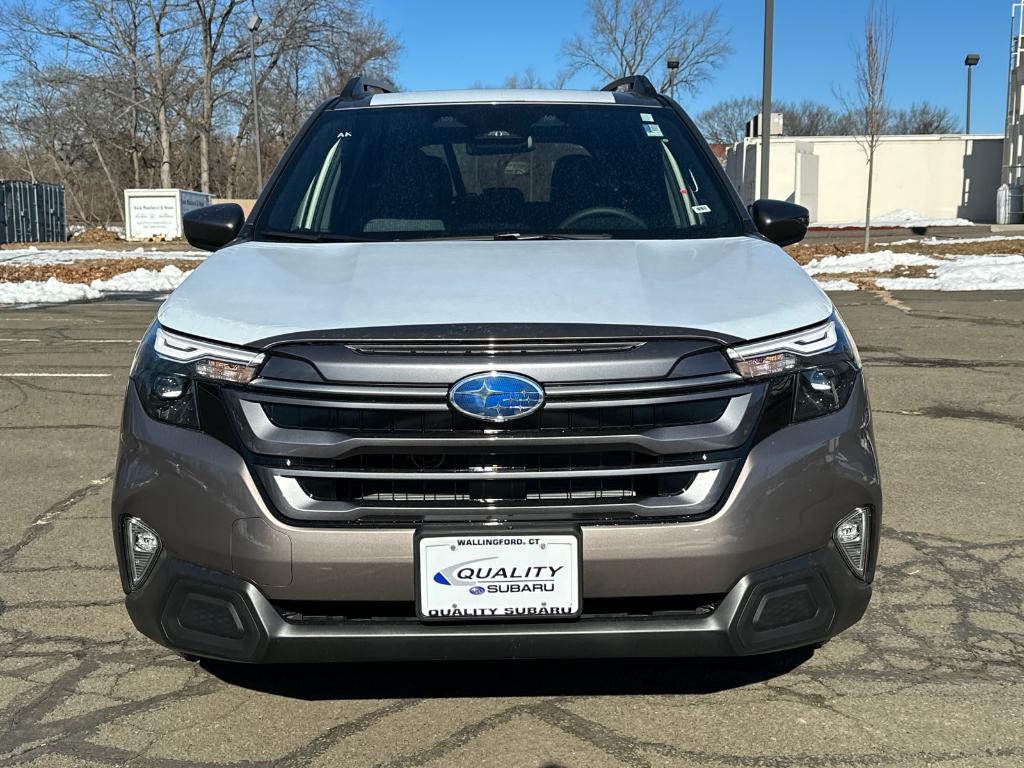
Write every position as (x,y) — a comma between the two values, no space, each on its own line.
(143,281)
(53,291)
(936,241)
(837,285)
(966,273)
(48,291)
(878,261)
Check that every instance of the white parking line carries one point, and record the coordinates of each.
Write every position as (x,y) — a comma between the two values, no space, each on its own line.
(56,375)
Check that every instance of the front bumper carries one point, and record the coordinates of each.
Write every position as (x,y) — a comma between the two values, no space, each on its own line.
(772,536)
(799,602)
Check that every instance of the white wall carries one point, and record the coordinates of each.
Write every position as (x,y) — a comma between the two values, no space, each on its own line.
(939,177)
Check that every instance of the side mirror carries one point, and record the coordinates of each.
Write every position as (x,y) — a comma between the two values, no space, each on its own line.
(782,223)
(214,226)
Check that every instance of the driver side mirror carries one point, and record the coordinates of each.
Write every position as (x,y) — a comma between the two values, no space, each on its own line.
(781,222)
(213,226)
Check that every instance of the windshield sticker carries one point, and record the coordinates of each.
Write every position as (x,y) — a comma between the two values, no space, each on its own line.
(702,209)
(647,117)
(653,130)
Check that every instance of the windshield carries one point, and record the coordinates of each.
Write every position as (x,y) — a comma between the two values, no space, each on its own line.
(498,170)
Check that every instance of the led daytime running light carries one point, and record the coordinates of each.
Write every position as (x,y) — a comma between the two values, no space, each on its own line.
(209,361)
(780,355)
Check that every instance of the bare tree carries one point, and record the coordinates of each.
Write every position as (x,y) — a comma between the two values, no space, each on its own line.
(869,105)
(923,118)
(807,118)
(637,37)
(211,18)
(528,79)
(101,95)
(725,122)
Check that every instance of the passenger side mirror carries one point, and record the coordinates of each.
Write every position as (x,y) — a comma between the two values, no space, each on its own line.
(781,222)
(214,226)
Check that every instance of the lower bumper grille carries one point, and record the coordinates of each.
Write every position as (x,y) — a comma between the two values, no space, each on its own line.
(334,612)
(497,491)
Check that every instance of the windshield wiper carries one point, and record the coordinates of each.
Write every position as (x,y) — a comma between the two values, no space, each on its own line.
(308,237)
(552,236)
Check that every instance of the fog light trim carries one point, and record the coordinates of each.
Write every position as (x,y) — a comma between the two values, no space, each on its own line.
(142,547)
(852,536)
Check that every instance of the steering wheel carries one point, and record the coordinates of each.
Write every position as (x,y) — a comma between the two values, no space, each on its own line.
(587,213)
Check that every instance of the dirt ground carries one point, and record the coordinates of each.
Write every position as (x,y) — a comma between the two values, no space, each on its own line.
(87,270)
(806,252)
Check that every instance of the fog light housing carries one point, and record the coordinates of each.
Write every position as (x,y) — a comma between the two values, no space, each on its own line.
(852,535)
(142,547)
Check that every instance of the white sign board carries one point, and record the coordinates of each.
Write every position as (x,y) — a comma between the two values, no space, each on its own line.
(156,213)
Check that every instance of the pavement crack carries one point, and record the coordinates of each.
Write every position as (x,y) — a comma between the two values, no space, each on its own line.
(38,527)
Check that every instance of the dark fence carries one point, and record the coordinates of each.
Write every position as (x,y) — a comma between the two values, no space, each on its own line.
(31,212)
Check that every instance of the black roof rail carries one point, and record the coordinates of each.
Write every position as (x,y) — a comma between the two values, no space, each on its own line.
(359,88)
(637,84)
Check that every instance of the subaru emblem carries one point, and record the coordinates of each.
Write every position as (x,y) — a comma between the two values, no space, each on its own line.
(496,396)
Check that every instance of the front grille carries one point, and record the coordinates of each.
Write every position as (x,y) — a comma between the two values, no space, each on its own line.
(385,421)
(346,453)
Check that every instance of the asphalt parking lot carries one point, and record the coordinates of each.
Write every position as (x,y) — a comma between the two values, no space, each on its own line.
(934,675)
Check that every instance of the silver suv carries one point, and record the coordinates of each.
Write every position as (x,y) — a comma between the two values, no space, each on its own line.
(493,374)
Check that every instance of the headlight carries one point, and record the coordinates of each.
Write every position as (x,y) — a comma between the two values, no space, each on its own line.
(823,359)
(167,366)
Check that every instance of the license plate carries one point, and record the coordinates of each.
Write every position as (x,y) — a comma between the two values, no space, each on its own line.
(504,576)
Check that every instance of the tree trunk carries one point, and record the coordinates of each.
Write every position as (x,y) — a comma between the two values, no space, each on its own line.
(236,151)
(160,89)
(205,129)
(867,212)
(110,180)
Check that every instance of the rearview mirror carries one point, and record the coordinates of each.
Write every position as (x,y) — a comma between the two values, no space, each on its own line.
(214,226)
(781,222)
(499,143)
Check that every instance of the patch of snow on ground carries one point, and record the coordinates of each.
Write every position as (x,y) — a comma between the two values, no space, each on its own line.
(901,217)
(837,285)
(966,273)
(53,291)
(953,240)
(143,281)
(33,255)
(877,261)
(49,291)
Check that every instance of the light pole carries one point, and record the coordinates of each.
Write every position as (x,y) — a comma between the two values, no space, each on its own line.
(766,95)
(971,61)
(254,24)
(673,67)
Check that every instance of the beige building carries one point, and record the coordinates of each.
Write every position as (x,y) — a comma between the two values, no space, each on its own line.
(937,176)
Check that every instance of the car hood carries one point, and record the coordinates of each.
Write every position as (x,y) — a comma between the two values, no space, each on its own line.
(726,288)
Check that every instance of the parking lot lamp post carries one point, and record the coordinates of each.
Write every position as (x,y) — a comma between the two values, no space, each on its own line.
(971,61)
(673,68)
(766,94)
(254,24)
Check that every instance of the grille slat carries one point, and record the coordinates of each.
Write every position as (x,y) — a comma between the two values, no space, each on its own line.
(580,419)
